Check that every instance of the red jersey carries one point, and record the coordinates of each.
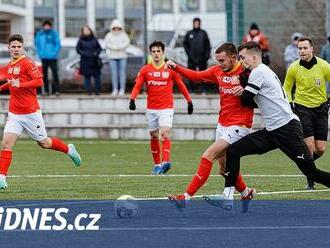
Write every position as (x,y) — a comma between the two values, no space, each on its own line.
(159,83)
(231,110)
(24,72)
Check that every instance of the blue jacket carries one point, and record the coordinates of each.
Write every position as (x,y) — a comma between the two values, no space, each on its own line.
(47,44)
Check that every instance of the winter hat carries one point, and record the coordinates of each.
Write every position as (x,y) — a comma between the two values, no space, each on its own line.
(116,24)
(254,26)
(296,36)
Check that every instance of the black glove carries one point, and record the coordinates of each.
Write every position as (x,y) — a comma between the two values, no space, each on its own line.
(132,104)
(190,108)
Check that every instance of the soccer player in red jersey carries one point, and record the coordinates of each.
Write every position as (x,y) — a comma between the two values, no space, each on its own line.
(23,79)
(234,120)
(159,83)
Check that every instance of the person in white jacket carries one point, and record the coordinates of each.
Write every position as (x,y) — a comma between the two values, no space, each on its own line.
(116,42)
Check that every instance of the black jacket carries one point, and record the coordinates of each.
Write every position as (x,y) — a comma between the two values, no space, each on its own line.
(89,49)
(197,46)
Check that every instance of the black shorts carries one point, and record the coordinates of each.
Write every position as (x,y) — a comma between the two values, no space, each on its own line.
(314,120)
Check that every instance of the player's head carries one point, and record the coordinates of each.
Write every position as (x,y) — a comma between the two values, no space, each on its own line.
(197,23)
(250,54)
(157,49)
(46,25)
(15,46)
(226,55)
(305,47)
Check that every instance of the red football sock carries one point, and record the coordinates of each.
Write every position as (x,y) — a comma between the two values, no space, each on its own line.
(155,150)
(240,185)
(59,145)
(166,149)
(203,172)
(5,160)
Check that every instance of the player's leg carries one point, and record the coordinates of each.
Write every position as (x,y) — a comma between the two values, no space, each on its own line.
(165,123)
(12,131)
(213,152)
(35,127)
(290,141)
(8,141)
(255,143)
(232,134)
(153,126)
(307,119)
(155,151)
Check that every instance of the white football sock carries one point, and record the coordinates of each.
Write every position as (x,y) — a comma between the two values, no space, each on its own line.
(245,192)
(187,196)
(228,192)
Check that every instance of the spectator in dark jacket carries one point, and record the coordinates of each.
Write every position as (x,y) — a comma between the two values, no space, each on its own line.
(197,46)
(90,64)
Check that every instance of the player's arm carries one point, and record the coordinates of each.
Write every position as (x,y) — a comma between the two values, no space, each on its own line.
(251,90)
(183,89)
(197,76)
(327,72)
(288,82)
(140,79)
(4,87)
(35,75)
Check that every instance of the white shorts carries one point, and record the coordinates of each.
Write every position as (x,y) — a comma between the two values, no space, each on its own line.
(32,123)
(159,118)
(231,134)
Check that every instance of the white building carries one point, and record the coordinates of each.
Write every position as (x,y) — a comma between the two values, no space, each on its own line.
(68,16)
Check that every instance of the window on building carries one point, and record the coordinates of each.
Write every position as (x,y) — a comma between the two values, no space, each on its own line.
(133,27)
(73,26)
(4,30)
(215,5)
(133,4)
(189,5)
(75,3)
(161,6)
(44,3)
(14,2)
(102,27)
(105,4)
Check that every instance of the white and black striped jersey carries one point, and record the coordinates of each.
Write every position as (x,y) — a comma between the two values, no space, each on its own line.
(270,97)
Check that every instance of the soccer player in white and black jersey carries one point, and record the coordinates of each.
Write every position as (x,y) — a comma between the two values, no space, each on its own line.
(282,127)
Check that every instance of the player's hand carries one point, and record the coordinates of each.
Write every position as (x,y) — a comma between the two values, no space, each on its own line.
(132,105)
(238,90)
(14,82)
(170,64)
(190,108)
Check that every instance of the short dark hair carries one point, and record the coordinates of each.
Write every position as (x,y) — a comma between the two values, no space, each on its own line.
(197,19)
(157,44)
(251,45)
(228,47)
(304,38)
(47,23)
(16,37)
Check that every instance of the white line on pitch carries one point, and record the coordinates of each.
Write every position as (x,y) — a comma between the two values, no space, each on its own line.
(142,175)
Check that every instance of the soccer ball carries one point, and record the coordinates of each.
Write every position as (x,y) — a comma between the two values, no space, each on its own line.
(126,206)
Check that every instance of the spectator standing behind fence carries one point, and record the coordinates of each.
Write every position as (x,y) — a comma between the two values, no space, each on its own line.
(90,63)
(197,46)
(116,42)
(291,52)
(257,36)
(48,47)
